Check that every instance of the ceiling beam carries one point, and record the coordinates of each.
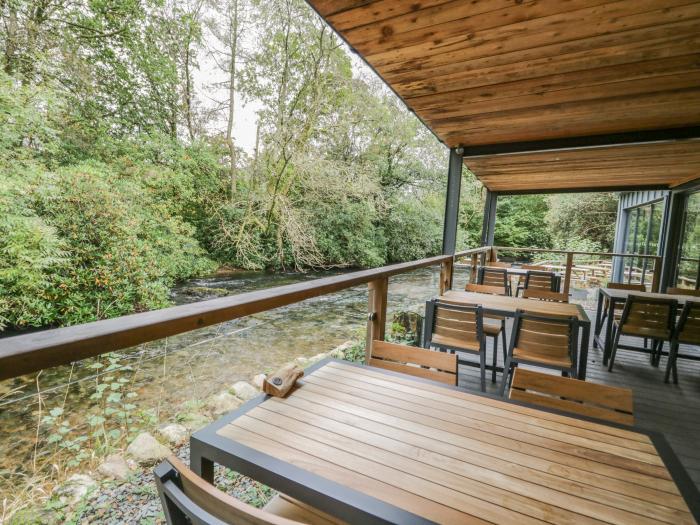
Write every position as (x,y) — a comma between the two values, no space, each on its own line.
(593,141)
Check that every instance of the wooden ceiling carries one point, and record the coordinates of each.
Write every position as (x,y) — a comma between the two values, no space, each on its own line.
(489,72)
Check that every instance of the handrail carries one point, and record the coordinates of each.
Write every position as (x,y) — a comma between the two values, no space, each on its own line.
(547,250)
(32,352)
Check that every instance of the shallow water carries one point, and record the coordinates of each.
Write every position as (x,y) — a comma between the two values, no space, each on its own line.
(172,375)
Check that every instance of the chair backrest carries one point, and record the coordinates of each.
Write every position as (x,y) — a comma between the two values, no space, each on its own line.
(438,366)
(538,280)
(683,291)
(688,329)
(485,288)
(646,316)
(187,498)
(453,326)
(493,277)
(572,395)
(625,286)
(545,295)
(553,336)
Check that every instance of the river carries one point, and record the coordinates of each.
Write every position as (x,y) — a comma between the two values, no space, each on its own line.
(173,376)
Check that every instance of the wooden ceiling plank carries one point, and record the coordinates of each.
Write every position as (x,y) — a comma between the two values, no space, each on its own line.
(609,44)
(329,7)
(592,77)
(375,12)
(560,67)
(560,28)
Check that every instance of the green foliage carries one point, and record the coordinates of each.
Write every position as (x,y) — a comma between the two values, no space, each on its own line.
(584,222)
(413,229)
(521,222)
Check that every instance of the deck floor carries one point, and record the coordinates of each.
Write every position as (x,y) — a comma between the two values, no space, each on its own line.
(673,410)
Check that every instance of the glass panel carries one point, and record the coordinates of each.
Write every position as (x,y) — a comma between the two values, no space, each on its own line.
(690,247)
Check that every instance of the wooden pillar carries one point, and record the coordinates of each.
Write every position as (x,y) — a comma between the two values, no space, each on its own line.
(376,312)
(567,276)
(446,272)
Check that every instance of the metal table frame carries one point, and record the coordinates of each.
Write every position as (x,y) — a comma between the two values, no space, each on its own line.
(207,448)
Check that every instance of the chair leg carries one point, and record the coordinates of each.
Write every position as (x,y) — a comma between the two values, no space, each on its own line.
(657,355)
(613,351)
(482,365)
(506,373)
(671,364)
(505,345)
(495,355)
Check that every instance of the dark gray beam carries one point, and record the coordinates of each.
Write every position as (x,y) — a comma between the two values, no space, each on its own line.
(592,141)
(454,183)
(489,223)
(673,237)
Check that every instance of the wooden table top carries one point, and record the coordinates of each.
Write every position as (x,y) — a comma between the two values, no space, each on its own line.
(623,294)
(506,305)
(521,271)
(448,456)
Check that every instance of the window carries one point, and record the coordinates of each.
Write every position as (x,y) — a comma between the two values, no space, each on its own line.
(689,267)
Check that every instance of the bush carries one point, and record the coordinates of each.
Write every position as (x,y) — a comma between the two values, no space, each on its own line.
(413,230)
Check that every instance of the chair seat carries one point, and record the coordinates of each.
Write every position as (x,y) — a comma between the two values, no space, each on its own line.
(545,358)
(286,507)
(454,342)
(492,327)
(644,331)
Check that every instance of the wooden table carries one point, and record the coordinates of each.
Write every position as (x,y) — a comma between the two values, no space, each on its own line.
(372,446)
(506,306)
(617,297)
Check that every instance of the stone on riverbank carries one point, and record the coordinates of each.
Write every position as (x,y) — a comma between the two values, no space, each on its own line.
(174,433)
(223,402)
(114,466)
(75,488)
(244,391)
(146,449)
(339,351)
(202,292)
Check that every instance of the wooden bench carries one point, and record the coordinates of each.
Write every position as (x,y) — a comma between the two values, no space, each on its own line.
(428,364)
(571,395)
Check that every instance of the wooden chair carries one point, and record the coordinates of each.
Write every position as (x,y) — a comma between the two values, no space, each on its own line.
(494,325)
(494,277)
(546,295)
(418,362)
(646,318)
(619,286)
(544,341)
(688,332)
(683,291)
(456,328)
(571,395)
(188,499)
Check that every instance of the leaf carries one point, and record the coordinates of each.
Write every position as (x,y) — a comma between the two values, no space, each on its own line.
(55,412)
(114,397)
(96,420)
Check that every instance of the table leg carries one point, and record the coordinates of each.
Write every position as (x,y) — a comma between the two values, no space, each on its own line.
(598,318)
(608,330)
(200,465)
(583,353)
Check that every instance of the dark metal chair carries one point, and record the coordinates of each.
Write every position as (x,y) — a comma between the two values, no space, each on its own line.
(687,332)
(544,341)
(494,277)
(648,318)
(494,325)
(619,286)
(456,328)
(187,499)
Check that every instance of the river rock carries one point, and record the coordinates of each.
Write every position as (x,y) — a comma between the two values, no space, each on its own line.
(195,420)
(75,488)
(244,391)
(174,433)
(302,361)
(146,449)
(114,466)
(319,357)
(339,351)
(410,323)
(258,381)
(202,292)
(223,402)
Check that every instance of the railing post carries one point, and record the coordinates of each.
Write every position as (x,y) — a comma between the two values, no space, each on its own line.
(472,272)
(567,276)
(446,272)
(376,312)
(656,279)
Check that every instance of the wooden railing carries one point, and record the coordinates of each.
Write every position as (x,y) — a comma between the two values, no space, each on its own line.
(32,352)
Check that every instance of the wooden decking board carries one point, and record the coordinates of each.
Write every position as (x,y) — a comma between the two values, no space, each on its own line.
(673,410)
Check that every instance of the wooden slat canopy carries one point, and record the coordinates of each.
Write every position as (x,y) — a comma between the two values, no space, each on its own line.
(495,72)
